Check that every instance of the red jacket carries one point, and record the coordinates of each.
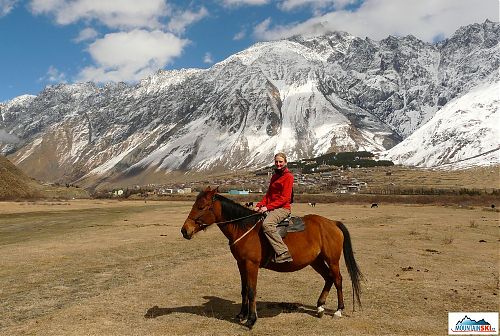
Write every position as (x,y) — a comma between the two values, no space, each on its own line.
(279,194)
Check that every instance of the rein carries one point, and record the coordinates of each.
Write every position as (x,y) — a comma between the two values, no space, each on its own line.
(237,219)
(243,235)
(204,225)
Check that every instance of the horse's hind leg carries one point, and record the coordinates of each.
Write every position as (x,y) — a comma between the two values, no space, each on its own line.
(337,280)
(320,266)
(332,276)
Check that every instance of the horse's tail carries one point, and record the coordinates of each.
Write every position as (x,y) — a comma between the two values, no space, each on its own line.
(352,266)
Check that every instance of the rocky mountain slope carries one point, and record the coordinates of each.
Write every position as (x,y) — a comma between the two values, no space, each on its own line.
(304,96)
(15,184)
(472,121)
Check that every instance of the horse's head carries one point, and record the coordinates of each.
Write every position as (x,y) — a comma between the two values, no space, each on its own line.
(202,213)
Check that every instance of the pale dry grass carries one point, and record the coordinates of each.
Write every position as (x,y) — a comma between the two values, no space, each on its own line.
(97,267)
(399,177)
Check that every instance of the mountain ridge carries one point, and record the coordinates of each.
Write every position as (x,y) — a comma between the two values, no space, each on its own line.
(305,96)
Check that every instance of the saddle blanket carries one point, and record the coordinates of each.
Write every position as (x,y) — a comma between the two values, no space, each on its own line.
(290,224)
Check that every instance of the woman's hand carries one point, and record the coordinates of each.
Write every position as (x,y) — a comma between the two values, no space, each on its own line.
(262,209)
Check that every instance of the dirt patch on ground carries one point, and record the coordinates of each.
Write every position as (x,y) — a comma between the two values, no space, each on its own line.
(98,267)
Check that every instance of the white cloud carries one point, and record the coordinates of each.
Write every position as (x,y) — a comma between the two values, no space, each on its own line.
(112,13)
(263,32)
(53,75)
(234,3)
(138,43)
(240,36)
(288,5)
(131,56)
(180,21)
(378,19)
(86,35)
(207,58)
(6,6)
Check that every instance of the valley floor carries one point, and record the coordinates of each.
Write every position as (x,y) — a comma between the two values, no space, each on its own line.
(96,267)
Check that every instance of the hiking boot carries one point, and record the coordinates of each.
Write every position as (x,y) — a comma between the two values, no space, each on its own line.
(283,258)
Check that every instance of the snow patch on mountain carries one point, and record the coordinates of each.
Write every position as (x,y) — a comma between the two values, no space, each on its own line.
(163,80)
(466,128)
(20,100)
(276,49)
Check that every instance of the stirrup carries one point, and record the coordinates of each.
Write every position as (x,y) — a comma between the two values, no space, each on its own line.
(283,258)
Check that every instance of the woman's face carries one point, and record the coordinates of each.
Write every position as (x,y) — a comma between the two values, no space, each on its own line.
(279,162)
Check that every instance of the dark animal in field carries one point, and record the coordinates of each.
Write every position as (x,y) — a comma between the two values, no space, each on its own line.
(249,204)
(374,205)
(313,204)
(319,245)
(493,206)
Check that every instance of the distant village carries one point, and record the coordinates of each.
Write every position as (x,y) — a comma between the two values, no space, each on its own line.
(327,173)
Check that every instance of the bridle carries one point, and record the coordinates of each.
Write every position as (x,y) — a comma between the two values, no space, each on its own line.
(203,226)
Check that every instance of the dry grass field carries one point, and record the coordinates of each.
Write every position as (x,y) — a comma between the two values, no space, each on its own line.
(94,267)
(399,177)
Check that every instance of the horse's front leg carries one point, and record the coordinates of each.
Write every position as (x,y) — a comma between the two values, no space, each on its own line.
(251,270)
(243,314)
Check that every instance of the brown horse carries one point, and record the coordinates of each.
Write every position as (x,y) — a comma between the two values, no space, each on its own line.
(319,245)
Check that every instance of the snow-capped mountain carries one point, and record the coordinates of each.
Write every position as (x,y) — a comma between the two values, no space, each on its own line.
(304,96)
(466,130)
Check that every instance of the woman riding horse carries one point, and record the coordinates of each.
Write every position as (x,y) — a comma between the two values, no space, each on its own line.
(319,245)
(276,203)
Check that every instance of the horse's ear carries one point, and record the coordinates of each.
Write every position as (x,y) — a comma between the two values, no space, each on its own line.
(216,189)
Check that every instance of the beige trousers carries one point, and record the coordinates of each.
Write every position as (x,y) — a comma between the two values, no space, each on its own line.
(269,227)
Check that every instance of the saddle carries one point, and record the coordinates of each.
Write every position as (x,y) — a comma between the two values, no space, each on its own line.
(290,224)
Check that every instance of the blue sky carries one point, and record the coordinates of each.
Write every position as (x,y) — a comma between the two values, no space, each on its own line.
(45,42)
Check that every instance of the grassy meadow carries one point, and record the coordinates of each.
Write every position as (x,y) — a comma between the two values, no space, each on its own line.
(99,267)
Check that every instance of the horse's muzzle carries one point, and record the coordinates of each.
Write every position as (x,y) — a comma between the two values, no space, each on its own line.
(185,234)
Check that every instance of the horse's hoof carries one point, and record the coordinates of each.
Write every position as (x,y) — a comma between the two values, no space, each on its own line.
(338,313)
(240,318)
(321,312)
(249,324)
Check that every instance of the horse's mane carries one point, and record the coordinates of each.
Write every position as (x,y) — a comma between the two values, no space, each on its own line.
(233,210)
